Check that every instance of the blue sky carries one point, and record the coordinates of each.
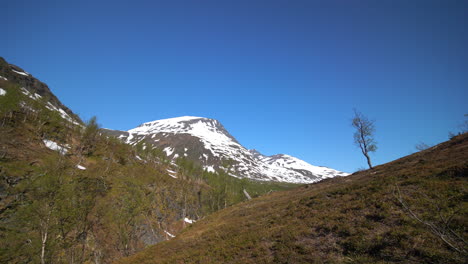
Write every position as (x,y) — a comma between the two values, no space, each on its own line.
(282,76)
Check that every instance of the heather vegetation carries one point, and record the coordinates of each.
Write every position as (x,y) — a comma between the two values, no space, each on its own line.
(411,210)
(99,199)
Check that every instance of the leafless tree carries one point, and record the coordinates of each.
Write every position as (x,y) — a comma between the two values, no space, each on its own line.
(364,135)
(422,146)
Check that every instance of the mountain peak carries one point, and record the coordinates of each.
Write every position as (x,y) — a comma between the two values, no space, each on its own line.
(174,123)
(175,120)
(209,130)
(208,143)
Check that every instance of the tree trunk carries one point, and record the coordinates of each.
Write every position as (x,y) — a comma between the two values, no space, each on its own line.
(44,241)
(44,235)
(247,195)
(368,160)
(225,195)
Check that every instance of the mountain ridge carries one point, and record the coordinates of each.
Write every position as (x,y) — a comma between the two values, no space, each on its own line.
(216,149)
(206,140)
(33,87)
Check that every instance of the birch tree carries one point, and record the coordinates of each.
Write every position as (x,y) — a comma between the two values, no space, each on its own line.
(364,135)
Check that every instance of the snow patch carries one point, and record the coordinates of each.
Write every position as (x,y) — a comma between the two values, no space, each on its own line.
(190,221)
(169,234)
(209,169)
(80,167)
(130,137)
(168,151)
(2,92)
(20,73)
(54,146)
(172,173)
(26,92)
(49,106)
(3,78)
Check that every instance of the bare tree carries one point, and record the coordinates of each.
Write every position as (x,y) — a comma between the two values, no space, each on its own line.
(463,129)
(422,146)
(364,135)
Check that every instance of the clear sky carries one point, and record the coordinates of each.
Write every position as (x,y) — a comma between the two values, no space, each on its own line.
(281,76)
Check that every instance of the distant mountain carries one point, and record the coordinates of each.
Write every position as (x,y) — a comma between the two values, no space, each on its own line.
(209,144)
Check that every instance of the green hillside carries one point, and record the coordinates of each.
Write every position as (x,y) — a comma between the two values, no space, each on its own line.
(411,210)
(93,198)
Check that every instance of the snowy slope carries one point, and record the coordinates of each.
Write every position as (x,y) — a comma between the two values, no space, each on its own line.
(35,89)
(208,143)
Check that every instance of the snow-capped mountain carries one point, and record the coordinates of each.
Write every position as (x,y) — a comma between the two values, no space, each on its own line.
(208,143)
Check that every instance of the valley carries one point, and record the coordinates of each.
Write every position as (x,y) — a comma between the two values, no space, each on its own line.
(184,190)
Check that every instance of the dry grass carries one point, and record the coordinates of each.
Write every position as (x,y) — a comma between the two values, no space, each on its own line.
(357,219)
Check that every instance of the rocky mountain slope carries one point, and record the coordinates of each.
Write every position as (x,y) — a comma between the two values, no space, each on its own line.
(411,210)
(209,144)
(35,89)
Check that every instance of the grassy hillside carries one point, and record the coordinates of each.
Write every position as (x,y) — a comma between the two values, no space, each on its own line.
(99,201)
(411,210)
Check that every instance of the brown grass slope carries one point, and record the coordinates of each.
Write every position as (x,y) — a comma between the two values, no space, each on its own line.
(411,210)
